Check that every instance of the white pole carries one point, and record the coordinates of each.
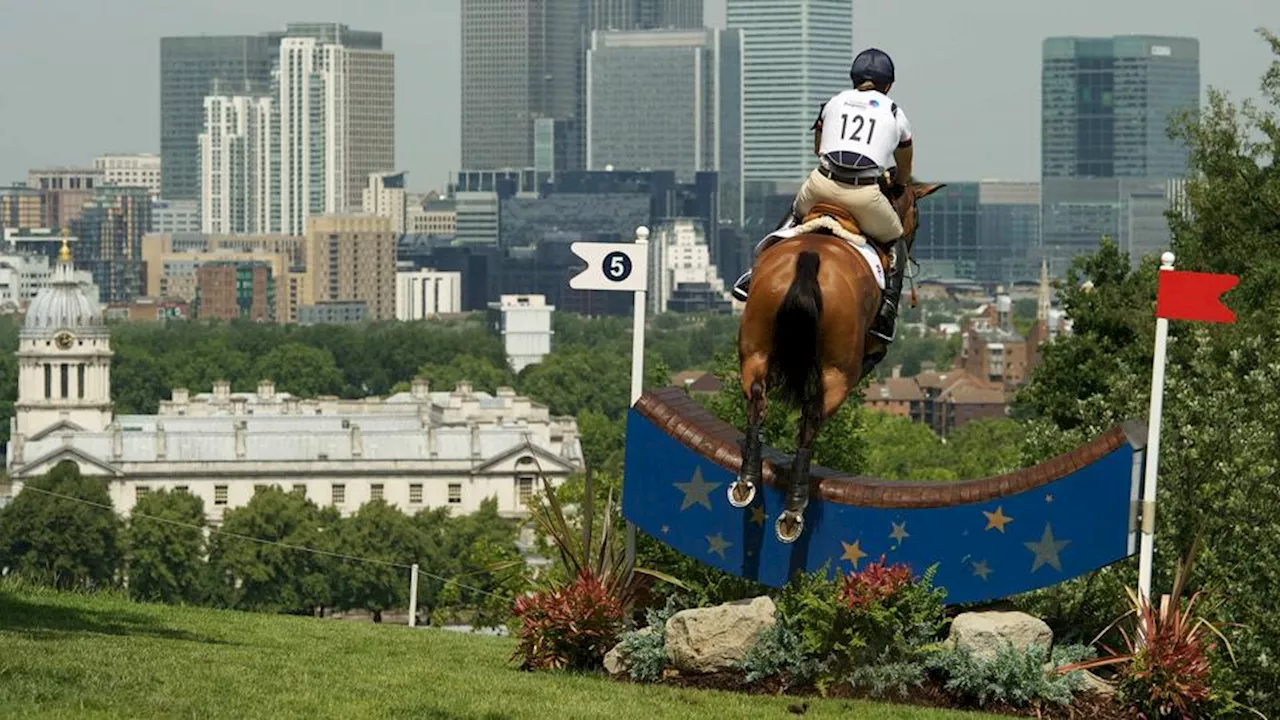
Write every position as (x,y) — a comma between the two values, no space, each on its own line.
(1147,548)
(637,359)
(413,595)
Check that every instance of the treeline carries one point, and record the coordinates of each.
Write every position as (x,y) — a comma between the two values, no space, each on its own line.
(162,554)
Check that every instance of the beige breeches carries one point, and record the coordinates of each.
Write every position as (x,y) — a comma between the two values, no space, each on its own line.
(870,208)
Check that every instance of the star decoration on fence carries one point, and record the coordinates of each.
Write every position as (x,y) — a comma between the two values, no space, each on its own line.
(1047,550)
(697,491)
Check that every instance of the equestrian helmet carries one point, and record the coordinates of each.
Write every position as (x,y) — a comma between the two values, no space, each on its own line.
(874,65)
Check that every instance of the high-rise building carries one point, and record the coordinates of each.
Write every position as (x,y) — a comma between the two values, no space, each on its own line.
(796,55)
(1107,160)
(352,258)
(521,60)
(307,146)
(188,68)
(139,170)
(384,194)
(689,83)
(110,228)
(243,64)
(227,290)
(645,14)
(985,231)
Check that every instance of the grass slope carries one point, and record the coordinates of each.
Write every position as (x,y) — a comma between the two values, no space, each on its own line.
(103,656)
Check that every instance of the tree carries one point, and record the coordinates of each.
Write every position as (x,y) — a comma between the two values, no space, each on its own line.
(268,576)
(164,561)
(58,541)
(898,449)
(481,372)
(388,540)
(300,369)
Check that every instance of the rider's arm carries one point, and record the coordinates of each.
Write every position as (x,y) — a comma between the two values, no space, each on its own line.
(817,131)
(905,152)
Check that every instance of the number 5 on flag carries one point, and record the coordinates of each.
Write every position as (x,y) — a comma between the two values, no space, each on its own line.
(1194,296)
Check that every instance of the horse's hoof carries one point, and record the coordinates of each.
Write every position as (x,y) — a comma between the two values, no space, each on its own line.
(741,493)
(788,526)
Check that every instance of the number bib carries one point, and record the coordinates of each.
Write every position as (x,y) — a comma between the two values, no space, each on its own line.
(864,122)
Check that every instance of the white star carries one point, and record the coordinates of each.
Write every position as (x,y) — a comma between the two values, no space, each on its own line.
(696,491)
(1047,550)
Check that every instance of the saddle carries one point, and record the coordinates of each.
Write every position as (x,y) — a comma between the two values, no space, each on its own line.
(846,221)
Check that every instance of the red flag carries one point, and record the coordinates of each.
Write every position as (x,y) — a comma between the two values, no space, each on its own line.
(1194,296)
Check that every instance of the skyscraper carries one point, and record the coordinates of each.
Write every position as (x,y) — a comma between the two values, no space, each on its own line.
(796,55)
(1108,165)
(689,83)
(521,61)
(645,14)
(189,66)
(1106,104)
(329,115)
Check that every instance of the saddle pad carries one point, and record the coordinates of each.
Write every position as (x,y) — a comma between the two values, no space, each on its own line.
(858,242)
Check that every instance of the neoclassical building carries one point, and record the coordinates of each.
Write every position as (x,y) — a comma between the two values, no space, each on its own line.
(416,449)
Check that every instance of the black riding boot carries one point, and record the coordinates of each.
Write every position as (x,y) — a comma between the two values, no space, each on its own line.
(885,325)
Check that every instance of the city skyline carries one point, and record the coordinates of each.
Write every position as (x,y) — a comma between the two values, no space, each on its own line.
(428,113)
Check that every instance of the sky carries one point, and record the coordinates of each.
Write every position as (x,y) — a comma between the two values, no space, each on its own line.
(82,76)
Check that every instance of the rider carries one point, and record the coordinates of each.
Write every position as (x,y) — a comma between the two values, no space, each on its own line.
(861,135)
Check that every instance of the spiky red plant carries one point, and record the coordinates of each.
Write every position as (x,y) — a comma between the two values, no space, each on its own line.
(569,627)
(874,582)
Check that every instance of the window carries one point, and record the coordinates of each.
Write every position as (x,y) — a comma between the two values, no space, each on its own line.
(65,381)
(300,489)
(80,380)
(219,494)
(140,492)
(524,489)
(48,382)
(180,488)
(415,494)
(375,492)
(339,494)
(455,493)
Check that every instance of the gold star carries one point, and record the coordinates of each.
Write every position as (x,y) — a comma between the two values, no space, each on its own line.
(981,570)
(696,491)
(1047,550)
(852,553)
(757,515)
(717,544)
(997,519)
(899,531)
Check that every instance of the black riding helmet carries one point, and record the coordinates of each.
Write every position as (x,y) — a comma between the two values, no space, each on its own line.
(874,65)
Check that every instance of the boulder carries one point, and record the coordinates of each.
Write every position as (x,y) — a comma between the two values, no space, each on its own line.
(705,640)
(983,633)
(615,661)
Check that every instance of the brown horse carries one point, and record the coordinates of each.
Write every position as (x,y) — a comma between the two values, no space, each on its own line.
(805,331)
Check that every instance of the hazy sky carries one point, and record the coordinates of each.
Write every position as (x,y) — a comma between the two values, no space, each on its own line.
(82,76)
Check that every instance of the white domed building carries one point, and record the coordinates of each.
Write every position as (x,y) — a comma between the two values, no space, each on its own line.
(417,449)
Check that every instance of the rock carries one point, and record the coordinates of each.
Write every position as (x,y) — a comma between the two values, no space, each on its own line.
(704,640)
(983,633)
(615,662)
(1092,682)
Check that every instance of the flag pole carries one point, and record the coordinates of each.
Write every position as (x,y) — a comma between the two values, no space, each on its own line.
(1147,547)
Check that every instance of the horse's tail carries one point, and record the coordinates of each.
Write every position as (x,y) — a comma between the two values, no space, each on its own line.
(796,356)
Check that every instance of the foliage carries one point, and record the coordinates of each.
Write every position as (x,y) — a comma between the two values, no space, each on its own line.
(301,370)
(1167,657)
(869,627)
(1015,677)
(483,373)
(59,541)
(645,650)
(571,627)
(839,445)
(164,548)
(271,576)
(477,553)
(382,534)
(898,449)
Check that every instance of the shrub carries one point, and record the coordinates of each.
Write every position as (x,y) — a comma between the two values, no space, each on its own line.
(1015,677)
(1166,664)
(868,628)
(570,628)
(645,650)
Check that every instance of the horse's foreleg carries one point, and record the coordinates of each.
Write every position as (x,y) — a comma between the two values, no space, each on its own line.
(743,491)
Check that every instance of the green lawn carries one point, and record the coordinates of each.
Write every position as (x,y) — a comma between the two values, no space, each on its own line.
(67,655)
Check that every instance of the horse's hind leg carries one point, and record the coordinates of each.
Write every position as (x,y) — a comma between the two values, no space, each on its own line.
(790,523)
(743,491)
